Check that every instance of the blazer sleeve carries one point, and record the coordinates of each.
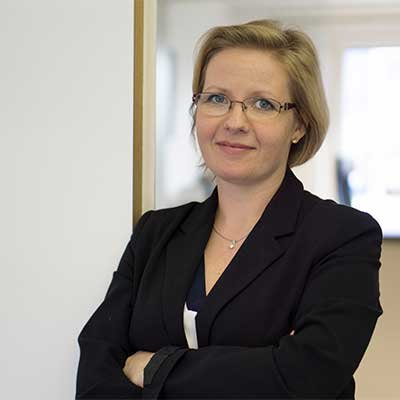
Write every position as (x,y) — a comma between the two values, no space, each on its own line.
(104,341)
(333,325)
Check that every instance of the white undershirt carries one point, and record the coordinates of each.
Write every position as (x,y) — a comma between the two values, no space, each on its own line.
(189,325)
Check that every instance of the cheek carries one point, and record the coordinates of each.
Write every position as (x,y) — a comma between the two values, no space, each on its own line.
(205,130)
(276,139)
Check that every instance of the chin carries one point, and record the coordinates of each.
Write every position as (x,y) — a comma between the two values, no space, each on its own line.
(235,174)
(241,178)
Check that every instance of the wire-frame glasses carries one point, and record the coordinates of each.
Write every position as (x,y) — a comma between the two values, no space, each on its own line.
(217,104)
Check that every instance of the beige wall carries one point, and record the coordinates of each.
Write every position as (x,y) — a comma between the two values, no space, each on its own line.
(378,376)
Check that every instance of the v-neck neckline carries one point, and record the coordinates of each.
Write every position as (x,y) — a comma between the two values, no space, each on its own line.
(197,292)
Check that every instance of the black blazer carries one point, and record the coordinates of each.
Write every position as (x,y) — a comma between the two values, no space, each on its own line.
(309,265)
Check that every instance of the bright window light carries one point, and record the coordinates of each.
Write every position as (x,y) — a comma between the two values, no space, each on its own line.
(369,164)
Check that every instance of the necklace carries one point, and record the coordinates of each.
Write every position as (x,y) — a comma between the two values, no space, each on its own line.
(233,242)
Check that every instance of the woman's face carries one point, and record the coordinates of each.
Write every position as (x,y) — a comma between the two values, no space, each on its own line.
(235,147)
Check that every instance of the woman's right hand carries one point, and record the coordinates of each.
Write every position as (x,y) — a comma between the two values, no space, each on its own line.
(135,365)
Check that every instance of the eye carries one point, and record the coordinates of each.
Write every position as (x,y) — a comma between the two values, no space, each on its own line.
(215,98)
(264,105)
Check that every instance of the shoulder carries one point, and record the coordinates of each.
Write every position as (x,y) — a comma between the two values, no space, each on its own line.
(165,216)
(330,224)
(154,223)
(338,215)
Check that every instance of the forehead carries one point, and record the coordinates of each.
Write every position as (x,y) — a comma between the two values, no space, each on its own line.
(244,72)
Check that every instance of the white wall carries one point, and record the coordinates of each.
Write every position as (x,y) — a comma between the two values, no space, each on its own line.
(65,173)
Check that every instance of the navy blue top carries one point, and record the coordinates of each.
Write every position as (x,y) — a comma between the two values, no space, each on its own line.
(197,293)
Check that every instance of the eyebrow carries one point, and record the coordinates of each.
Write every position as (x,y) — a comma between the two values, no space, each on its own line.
(256,93)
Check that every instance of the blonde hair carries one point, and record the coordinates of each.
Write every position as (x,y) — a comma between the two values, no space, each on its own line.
(297,54)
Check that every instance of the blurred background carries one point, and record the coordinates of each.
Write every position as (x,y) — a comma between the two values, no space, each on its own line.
(66,159)
(359,47)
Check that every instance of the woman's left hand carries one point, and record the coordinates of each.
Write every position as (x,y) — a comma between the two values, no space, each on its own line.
(135,365)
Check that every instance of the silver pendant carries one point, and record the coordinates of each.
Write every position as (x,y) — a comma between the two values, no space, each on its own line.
(232,245)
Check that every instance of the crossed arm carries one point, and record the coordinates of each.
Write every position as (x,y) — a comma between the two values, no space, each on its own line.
(333,325)
(137,362)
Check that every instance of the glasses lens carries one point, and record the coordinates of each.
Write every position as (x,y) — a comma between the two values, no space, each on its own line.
(262,108)
(213,103)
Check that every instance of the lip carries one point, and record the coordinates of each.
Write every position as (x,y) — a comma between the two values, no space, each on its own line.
(233,147)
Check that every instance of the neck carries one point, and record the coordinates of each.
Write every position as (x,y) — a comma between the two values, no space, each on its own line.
(240,207)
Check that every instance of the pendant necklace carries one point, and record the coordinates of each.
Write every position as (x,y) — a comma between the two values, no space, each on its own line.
(232,242)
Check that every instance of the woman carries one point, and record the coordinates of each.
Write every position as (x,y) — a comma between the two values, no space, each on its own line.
(263,290)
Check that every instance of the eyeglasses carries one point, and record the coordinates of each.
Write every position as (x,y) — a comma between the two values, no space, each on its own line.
(217,105)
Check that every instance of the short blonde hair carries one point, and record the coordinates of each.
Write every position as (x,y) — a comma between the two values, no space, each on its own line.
(295,50)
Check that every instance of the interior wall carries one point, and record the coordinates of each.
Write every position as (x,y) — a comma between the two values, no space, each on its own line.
(66,180)
(378,376)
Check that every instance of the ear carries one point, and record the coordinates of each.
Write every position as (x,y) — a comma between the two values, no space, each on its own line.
(299,132)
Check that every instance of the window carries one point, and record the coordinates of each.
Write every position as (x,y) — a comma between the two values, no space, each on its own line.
(369,162)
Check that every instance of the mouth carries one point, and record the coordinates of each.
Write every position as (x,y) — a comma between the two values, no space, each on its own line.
(232,145)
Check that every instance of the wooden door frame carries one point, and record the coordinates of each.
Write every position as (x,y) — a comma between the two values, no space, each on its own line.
(144,63)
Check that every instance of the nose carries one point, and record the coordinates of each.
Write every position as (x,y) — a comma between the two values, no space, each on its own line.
(236,119)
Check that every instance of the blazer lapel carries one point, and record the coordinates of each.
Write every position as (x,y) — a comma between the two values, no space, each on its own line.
(253,257)
(183,255)
(261,248)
